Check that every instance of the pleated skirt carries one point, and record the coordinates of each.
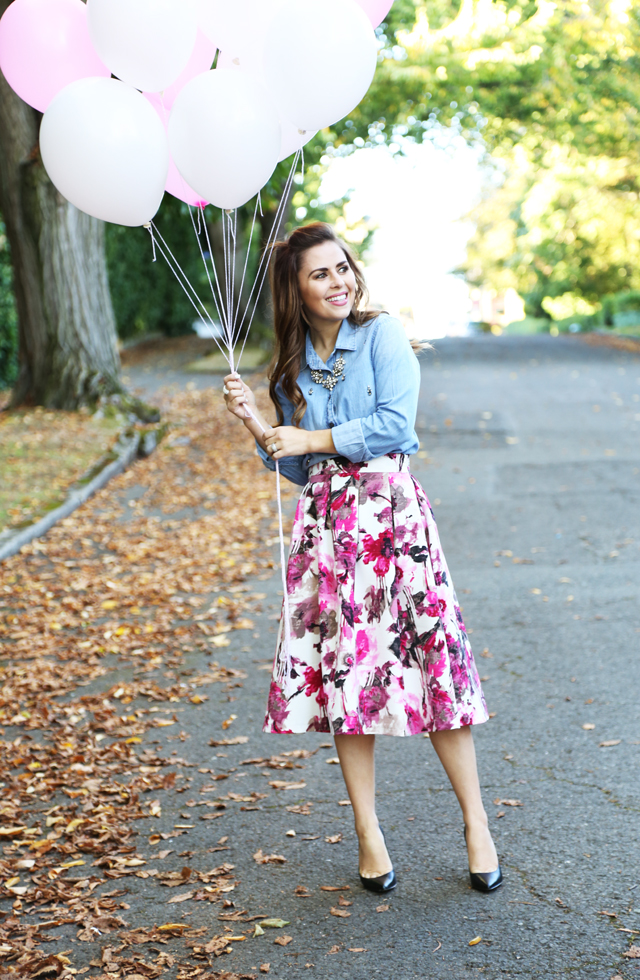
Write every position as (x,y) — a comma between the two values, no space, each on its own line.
(377,643)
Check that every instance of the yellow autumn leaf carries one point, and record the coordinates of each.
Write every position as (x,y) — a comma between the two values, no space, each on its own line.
(109,604)
(164,722)
(220,641)
(474,942)
(73,825)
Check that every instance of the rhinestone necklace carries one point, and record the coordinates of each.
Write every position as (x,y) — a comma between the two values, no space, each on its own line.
(332,379)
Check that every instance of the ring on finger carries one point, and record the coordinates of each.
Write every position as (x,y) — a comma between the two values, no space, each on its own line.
(225,390)
(274,448)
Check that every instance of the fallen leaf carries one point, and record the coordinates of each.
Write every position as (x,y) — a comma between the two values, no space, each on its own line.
(588,726)
(261,858)
(356,949)
(273,923)
(334,949)
(340,913)
(606,745)
(170,926)
(335,888)
(334,761)
(238,740)
(334,840)
(344,803)
(633,953)
(181,898)
(612,915)
(228,721)
(265,967)
(283,940)
(382,908)
(475,941)
(301,891)
(283,784)
(257,930)
(343,901)
(508,803)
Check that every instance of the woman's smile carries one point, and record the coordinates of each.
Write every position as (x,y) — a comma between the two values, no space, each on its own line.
(339,299)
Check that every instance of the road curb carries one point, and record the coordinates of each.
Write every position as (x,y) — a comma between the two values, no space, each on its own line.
(126,449)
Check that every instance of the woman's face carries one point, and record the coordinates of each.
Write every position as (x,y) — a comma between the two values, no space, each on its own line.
(327,284)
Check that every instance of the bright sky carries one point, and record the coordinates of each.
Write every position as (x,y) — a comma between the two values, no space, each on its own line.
(416,203)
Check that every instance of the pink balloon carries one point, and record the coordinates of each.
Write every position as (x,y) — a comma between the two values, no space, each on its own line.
(201,60)
(376,10)
(44,46)
(176,184)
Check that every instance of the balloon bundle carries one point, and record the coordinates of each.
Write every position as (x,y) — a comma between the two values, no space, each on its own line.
(132,106)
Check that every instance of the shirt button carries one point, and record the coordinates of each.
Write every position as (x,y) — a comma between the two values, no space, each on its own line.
(349,661)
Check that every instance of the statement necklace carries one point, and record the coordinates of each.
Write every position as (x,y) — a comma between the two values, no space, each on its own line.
(332,379)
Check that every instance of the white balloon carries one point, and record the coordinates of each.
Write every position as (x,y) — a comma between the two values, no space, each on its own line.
(106,150)
(293,139)
(224,136)
(236,25)
(146,43)
(319,60)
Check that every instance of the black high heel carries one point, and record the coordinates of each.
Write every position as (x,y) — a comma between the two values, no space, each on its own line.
(485,881)
(383,883)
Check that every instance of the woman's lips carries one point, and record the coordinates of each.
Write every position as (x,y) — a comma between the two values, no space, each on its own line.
(341,299)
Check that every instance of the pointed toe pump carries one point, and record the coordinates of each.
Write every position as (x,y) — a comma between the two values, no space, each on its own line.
(485,881)
(382,883)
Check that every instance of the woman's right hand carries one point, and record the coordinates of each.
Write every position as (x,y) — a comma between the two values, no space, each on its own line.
(239,395)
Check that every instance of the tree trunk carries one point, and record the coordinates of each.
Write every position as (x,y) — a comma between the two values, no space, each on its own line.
(67,334)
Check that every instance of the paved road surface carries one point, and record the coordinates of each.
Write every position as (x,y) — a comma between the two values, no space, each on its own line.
(533,469)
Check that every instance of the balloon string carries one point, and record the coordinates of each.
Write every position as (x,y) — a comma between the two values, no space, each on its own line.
(284,666)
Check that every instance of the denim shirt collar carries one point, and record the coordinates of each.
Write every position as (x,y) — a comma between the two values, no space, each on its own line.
(346,341)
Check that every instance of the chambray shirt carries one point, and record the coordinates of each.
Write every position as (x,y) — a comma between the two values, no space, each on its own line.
(372,411)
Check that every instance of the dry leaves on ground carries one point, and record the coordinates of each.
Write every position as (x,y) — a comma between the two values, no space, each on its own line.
(129,589)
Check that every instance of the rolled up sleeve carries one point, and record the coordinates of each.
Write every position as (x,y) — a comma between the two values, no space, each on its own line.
(291,467)
(397,381)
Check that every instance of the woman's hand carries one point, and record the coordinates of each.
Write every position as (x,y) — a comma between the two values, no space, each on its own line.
(239,395)
(288,441)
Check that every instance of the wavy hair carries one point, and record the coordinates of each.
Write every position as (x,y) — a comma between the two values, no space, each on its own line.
(290,325)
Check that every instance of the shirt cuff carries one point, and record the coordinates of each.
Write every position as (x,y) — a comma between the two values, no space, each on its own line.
(348,438)
(265,457)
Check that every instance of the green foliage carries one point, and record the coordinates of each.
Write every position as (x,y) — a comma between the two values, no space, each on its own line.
(8,317)
(147,298)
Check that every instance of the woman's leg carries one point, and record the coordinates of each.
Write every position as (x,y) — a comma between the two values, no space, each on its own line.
(356,754)
(457,754)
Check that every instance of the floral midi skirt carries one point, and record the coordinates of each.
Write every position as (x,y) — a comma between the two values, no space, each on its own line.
(377,644)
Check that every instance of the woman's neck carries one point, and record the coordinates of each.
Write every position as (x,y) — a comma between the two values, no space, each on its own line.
(324,336)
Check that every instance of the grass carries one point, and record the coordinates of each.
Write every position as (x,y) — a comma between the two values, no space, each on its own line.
(42,453)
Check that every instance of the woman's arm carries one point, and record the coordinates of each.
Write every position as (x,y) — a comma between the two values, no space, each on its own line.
(292,443)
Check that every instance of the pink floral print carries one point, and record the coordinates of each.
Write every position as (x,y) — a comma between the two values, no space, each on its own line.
(377,640)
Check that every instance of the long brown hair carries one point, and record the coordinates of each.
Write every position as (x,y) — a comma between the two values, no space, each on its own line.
(289,321)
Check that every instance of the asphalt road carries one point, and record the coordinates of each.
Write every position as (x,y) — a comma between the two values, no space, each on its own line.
(533,467)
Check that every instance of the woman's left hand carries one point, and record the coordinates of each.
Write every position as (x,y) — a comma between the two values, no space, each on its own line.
(288,440)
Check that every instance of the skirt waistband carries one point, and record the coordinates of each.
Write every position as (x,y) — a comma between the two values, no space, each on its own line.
(392,463)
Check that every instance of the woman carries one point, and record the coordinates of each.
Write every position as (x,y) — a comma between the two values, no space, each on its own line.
(376,642)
